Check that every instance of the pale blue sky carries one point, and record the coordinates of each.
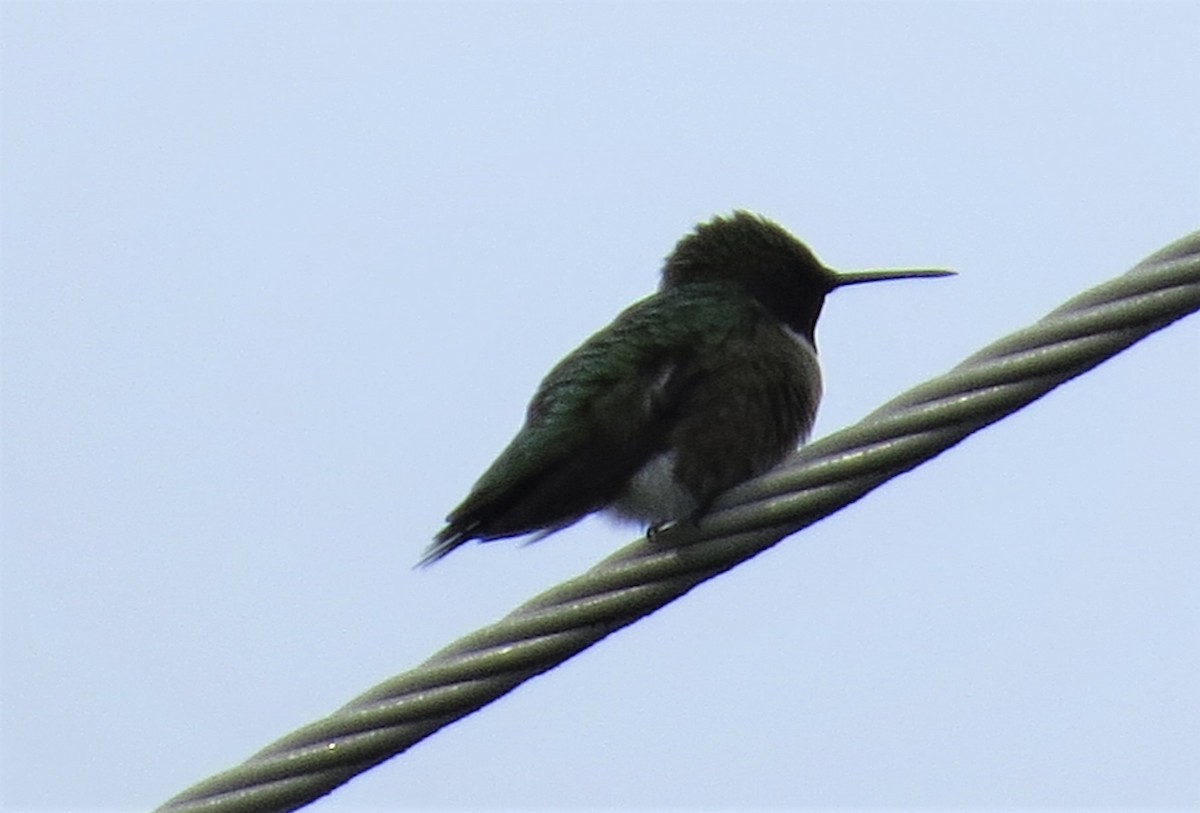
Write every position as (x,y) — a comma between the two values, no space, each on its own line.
(279,279)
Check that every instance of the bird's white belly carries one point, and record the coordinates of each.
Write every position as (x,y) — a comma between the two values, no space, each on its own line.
(654,495)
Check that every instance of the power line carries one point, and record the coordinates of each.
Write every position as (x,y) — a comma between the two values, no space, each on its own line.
(816,481)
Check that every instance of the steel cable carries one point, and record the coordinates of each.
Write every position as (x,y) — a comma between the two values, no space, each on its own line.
(821,478)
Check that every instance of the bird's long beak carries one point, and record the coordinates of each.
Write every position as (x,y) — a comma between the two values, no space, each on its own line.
(855,277)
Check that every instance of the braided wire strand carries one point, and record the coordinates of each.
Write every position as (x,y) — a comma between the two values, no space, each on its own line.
(816,481)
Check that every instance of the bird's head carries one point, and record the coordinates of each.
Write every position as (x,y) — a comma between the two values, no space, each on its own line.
(767,262)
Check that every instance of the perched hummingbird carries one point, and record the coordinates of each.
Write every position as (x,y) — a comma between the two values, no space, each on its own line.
(703,385)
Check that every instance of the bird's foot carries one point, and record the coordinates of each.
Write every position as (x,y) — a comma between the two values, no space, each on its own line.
(656,532)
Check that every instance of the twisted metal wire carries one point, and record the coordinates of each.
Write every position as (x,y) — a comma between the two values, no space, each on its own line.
(816,481)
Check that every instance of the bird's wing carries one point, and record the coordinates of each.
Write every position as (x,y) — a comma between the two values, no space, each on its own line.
(598,416)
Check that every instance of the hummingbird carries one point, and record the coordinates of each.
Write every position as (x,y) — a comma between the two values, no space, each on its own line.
(699,387)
